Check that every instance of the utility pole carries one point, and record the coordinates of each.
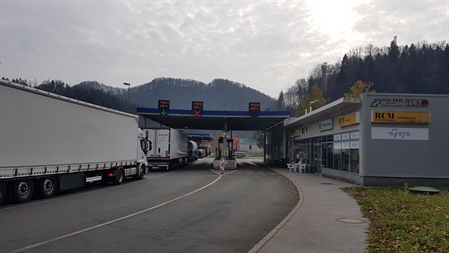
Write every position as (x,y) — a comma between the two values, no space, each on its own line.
(129,85)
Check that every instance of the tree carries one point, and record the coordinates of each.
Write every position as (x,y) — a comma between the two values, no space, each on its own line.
(314,100)
(280,104)
(259,136)
(441,83)
(393,50)
(358,88)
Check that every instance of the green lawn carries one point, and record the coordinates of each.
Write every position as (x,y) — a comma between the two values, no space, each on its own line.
(404,222)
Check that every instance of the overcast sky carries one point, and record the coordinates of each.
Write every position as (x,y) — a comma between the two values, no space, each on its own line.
(266,45)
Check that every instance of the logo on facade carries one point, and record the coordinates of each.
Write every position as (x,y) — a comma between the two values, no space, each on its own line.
(416,103)
(305,130)
(399,134)
(384,116)
(325,125)
(387,102)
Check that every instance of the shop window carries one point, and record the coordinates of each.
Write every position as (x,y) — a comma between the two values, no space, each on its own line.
(355,160)
(345,159)
(328,155)
(345,155)
(337,156)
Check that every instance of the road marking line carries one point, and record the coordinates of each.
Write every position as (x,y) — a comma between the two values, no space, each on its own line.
(116,220)
(225,173)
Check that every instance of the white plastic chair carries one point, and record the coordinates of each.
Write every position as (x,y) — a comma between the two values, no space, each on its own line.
(292,167)
(302,168)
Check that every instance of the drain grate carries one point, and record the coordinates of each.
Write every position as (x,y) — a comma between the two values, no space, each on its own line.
(352,220)
(327,183)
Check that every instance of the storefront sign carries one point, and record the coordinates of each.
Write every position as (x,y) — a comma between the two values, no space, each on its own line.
(337,137)
(400,117)
(345,145)
(416,103)
(349,119)
(305,130)
(296,133)
(337,145)
(388,102)
(326,125)
(399,102)
(345,136)
(400,133)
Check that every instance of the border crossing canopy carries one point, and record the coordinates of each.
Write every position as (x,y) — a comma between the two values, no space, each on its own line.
(215,120)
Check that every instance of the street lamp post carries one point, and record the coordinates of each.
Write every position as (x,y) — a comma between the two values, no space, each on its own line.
(129,85)
(310,109)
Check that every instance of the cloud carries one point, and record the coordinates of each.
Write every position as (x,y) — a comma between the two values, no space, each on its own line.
(266,45)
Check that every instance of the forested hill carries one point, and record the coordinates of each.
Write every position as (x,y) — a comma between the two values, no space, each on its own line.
(416,68)
(220,94)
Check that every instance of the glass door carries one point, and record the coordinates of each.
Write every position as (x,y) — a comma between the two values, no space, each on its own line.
(315,156)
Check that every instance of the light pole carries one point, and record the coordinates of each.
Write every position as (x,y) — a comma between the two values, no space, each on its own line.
(310,109)
(129,85)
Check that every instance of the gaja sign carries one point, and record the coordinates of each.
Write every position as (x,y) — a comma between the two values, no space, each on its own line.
(399,133)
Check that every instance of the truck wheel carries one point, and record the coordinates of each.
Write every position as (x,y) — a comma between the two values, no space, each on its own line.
(119,176)
(140,173)
(2,192)
(23,190)
(47,187)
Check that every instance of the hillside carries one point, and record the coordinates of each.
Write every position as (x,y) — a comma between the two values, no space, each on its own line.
(220,94)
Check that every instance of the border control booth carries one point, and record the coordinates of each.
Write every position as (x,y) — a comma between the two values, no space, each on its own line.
(198,119)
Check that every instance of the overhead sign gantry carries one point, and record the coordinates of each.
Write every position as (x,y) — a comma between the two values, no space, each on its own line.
(251,120)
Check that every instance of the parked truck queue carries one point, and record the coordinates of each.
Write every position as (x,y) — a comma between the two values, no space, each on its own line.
(50,143)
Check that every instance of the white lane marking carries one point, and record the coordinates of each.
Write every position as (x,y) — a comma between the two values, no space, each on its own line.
(225,173)
(116,220)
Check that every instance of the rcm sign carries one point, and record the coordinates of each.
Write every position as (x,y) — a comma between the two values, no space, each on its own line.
(400,117)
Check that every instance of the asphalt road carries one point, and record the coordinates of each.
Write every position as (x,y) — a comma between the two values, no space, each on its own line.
(190,209)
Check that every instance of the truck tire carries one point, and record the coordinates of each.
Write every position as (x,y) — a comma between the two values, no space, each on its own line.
(47,187)
(2,192)
(140,172)
(22,190)
(119,176)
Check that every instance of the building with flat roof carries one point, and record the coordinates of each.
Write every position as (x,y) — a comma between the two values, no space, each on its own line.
(379,139)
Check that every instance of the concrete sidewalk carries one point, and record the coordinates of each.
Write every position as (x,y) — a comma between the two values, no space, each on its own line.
(326,219)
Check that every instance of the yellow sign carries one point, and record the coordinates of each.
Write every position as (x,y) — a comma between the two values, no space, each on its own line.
(400,117)
(348,119)
(296,132)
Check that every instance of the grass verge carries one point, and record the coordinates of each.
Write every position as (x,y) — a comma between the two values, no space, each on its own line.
(404,222)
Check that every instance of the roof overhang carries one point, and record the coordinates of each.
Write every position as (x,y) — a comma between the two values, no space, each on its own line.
(334,108)
(215,120)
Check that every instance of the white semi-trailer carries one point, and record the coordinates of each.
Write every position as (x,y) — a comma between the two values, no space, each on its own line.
(50,143)
(168,148)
